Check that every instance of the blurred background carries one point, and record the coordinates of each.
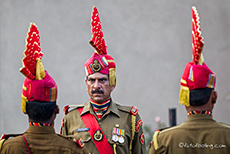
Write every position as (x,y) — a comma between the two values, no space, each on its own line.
(151,42)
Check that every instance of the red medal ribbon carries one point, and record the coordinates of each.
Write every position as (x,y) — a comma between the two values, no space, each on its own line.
(91,122)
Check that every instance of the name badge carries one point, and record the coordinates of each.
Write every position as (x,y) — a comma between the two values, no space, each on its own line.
(82,129)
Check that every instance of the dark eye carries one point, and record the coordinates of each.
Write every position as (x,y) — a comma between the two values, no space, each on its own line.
(91,80)
(103,80)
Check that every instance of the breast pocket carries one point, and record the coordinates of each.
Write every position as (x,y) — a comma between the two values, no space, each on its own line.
(83,135)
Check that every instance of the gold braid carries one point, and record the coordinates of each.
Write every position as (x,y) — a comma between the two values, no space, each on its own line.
(133,121)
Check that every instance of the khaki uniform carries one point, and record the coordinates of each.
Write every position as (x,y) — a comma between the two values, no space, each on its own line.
(199,134)
(41,140)
(116,115)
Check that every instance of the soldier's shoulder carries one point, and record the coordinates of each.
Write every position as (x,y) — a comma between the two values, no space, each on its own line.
(129,109)
(9,139)
(71,108)
(173,130)
(167,131)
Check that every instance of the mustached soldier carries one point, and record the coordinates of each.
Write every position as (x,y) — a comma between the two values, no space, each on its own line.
(105,126)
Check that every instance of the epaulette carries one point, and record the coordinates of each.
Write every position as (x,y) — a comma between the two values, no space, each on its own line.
(4,137)
(133,111)
(72,107)
(130,109)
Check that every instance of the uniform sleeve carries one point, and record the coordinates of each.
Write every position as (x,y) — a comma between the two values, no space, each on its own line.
(139,140)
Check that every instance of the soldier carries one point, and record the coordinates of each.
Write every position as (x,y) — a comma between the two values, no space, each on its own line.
(39,96)
(200,133)
(105,126)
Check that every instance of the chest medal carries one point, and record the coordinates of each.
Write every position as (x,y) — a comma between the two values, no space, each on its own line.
(118,135)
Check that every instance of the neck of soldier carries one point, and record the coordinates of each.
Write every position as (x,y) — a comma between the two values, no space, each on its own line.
(43,122)
(99,104)
(48,121)
(100,108)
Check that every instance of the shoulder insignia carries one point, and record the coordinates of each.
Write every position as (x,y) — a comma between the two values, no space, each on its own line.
(80,143)
(66,109)
(133,111)
(138,125)
(4,136)
(142,138)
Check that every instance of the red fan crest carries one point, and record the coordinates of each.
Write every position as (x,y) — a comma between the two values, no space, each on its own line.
(32,52)
(197,39)
(97,41)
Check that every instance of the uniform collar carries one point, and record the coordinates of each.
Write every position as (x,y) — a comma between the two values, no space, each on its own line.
(199,117)
(112,108)
(40,130)
(200,112)
(40,124)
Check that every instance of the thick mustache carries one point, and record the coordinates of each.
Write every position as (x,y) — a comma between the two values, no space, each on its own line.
(97,91)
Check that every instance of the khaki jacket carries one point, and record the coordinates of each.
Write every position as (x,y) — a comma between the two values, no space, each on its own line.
(116,115)
(41,140)
(199,134)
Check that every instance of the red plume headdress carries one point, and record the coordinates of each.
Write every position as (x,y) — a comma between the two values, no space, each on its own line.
(38,84)
(196,74)
(100,61)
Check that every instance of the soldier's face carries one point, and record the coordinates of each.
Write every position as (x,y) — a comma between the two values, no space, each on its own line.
(98,87)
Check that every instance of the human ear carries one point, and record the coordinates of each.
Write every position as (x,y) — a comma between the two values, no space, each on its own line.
(214,97)
(57,109)
(113,87)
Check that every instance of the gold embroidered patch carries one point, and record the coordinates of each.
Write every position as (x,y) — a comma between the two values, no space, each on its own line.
(98,135)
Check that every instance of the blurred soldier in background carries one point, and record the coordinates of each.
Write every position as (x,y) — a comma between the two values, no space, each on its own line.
(39,95)
(105,126)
